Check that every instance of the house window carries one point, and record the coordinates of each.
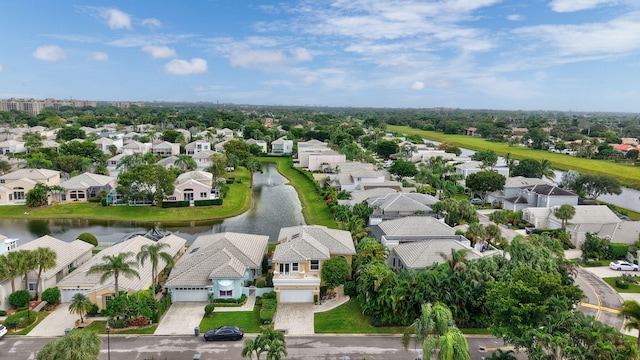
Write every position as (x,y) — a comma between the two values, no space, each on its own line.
(107,299)
(315,264)
(203,195)
(226,293)
(69,267)
(294,267)
(284,268)
(32,286)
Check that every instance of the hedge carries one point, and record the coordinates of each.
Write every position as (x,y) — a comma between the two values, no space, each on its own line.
(209,202)
(88,238)
(622,284)
(268,304)
(618,250)
(266,316)
(175,204)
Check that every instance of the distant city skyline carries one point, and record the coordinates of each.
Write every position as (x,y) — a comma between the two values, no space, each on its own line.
(559,55)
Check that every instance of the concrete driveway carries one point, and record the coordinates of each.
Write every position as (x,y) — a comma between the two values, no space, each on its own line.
(55,323)
(181,319)
(295,318)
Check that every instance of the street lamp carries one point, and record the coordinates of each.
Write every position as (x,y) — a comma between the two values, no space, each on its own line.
(108,343)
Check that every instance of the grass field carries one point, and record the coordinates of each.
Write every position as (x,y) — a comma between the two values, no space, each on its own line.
(627,174)
(348,319)
(248,320)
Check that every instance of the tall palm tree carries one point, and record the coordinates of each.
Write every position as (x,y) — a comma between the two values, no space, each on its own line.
(546,169)
(456,259)
(10,265)
(80,305)
(476,233)
(154,253)
(25,263)
(78,345)
(115,265)
(253,346)
(45,259)
(564,213)
(437,333)
(252,165)
(631,311)
(185,162)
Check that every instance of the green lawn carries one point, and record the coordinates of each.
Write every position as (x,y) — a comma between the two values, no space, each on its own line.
(25,331)
(248,320)
(627,174)
(100,327)
(633,288)
(348,319)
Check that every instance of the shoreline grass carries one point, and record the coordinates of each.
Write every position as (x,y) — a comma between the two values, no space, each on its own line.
(627,174)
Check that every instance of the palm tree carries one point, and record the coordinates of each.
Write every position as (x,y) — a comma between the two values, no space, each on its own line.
(437,333)
(9,263)
(274,343)
(185,162)
(115,265)
(631,311)
(546,169)
(25,263)
(80,305)
(154,253)
(78,345)
(564,213)
(456,259)
(476,233)
(251,347)
(253,165)
(45,259)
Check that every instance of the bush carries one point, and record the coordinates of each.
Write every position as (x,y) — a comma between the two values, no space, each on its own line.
(20,298)
(260,284)
(208,309)
(51,295)
(266,316)
(88,238)
(618,250)
(269,304)
(258,300)
(209,202)
(118,323)
(621,284)
(21,319)
(93,311)
(139,321)
(269,295)
(3,313)
(175,204)
(269,279)
(350,288)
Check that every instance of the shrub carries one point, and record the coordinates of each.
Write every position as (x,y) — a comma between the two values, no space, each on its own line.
(266,316)
(618,250)
(21,319)
(19,298)
(175,204)
(208,309)
(260,284)
(3,313)
(51,295)
(350,288)
(88,238)
(269,304)
(93,311)
(269,295)
(621,284)
(139,321)
(258,300)
(118,323)
(269,279)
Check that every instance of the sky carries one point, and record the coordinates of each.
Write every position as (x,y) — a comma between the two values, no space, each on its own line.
(564,55)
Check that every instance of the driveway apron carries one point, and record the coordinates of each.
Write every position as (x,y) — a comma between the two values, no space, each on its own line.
(181,319)
(295,318)
(55,324)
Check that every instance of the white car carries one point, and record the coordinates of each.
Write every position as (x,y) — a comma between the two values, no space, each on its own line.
(3,330)
(623,265)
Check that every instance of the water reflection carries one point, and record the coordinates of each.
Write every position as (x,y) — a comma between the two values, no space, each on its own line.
(275,205)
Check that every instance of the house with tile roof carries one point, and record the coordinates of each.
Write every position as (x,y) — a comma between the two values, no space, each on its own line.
(421,252)
(86,186)
(218,266)
(512,188)
(298,258)
(69,255)
(540,195)
(197,146)
(389,231)
(400,204)
(282,146)
(14,185)
(100,293)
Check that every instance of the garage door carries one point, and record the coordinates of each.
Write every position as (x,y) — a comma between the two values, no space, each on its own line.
(191,295)
(67,294)
(296,296)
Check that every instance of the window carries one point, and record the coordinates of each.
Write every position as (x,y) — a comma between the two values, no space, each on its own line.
(203,195)
(69,267)
(226,293)
(294,267)
(315,264)
(107,299)
(284,268)
(32,286)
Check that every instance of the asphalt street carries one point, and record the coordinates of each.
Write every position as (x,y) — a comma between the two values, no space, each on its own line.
(183,348)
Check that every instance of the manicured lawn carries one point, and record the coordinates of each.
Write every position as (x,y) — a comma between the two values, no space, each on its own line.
(237,201)
(248,320)
(41,315)
(598,263)
(633,288)
(348,319)
(627,174)
(100,327)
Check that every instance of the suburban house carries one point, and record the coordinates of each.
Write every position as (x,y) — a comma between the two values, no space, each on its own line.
(421,252)
(358,196)
(12,147)
(69,255)
(7,244)
(471,167)
(399,204)
(105,143)
(389,232)
(315,154)
(595,219)
(203,159)
(86,186)
(197,146)
(195,185)
(168,162)
(134,147)
(512,188)
(165,148)
(541,195)
(15,184)
(357,176)
(261,143)
(218,266)
(298,258)
(282,146)
(79,281)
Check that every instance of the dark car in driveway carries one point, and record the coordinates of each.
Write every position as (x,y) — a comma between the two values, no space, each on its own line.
(224,333)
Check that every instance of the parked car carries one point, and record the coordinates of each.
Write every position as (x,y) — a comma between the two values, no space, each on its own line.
(224,333)
(623,265)
(3,330)
(477,201)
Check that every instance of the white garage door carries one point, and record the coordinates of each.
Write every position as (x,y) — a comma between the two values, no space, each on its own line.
(67,294)
(191,295)
(296,296)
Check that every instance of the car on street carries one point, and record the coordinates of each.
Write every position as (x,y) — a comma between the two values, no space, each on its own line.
(623,265)
(3,330)
(224,333)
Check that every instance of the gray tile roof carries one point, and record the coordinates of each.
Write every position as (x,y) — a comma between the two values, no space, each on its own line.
(422,254)
(551,190)
(415,225)
(86,180)
(219,256)
(66,252)
(401,202)
(306,242)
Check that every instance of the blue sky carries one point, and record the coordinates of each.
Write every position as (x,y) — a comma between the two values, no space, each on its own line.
(580,55)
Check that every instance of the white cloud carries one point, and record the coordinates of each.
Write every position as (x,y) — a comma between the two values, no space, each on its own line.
(577,5)
(515,17)
(117,19)
(258,59)
(159,52)
(152,23)
(418,85)
(184,67)
(99,56)
(49,53)
(301,54)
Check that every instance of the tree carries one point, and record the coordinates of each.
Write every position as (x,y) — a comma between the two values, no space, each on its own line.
(115,265)
(154,253)
(147,183)
(456,211)
(489,158)
(89,238)
(25,263)
(476,233)
(632,154)
(77,345)
(564,213)
(528,168)
(631,311)
(4,167)
(252,164)
(593,186)
(70,133)
(449,147)
(32,140)
(237,148)
(45,259)
(484,182)
(10,267)
(403,169)
(80,305)
(269,341)
(335,271)
(435,330)
(185,163)
(386,148)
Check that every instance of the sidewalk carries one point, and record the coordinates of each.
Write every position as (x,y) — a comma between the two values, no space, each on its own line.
(340,299)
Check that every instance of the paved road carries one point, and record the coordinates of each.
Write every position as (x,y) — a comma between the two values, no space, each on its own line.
(601,294)
(183,348)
